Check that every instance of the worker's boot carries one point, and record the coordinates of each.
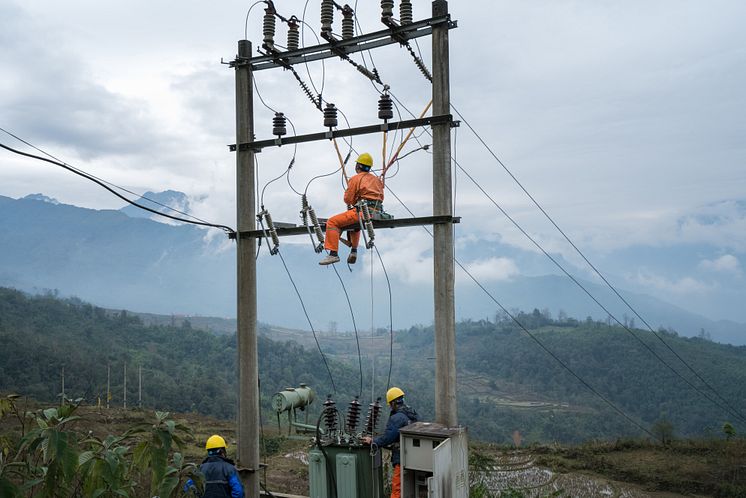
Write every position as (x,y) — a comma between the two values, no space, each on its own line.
(352,258)
(330,259)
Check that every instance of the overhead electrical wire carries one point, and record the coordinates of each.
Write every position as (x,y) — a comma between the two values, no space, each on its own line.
(391,319)
(727,408)
(165,206)
(730,408)
(536,339)
(354,326)
(87,176)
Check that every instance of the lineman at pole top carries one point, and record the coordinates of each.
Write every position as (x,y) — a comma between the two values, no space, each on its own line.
(363,186)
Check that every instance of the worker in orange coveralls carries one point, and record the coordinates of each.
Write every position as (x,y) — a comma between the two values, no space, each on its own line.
(364,185)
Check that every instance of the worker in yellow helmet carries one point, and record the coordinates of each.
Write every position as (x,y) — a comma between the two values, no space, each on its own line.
(401,415)
(364,185)
(221,477)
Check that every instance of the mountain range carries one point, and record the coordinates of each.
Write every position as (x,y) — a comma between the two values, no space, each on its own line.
(122,260)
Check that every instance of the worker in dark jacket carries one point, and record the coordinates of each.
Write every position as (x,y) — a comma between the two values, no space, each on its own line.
(401,415)
(221,477)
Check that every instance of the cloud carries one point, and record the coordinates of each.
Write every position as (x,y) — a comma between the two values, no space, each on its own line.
(681,286)
(491,270)
(726,263)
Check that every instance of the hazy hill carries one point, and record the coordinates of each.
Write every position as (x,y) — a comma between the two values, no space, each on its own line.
(506,383)
(117,261)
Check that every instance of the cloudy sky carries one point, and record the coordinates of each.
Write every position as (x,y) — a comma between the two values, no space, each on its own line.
(625,120)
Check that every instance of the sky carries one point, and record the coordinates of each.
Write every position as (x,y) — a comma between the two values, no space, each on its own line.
(625,120)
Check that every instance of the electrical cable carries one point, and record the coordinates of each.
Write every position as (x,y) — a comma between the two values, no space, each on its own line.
(354,326)
(391,319)
(100,179)
(536,339)
(305,312)
(246,22)
(729,408)
(85,175)
(303,44)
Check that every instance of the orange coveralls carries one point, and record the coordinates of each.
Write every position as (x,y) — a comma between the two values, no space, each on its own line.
(363,185)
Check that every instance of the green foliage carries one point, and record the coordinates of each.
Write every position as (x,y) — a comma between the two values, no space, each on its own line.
(729,430)
(55,461)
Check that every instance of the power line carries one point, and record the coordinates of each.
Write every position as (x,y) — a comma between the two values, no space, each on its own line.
(730,408)
(100,179)
(305,312)
(85,175)
(536,339)
(391,318)
(354,326)
(727,408)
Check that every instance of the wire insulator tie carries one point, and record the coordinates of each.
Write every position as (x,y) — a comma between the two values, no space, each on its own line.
(353,415)
(405,12)
(348,22)
(293,34)
(279,124)
(385,106)
(330,116)
(327,17)
(387,11)
(268,27)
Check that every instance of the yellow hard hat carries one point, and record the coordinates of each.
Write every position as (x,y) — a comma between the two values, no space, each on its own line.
(214,442)
(393,394)
(365,159)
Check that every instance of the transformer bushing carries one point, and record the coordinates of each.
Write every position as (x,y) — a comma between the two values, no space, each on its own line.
(374,413)
(353,415)
(330,414)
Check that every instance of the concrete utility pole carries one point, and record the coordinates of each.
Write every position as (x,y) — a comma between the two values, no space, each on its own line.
(108,385)
(248,364)
(125,386)
(445,315)
(139,388)
(62,401)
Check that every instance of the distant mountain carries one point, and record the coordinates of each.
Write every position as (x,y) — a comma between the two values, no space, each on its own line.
(121,262)
(157,202)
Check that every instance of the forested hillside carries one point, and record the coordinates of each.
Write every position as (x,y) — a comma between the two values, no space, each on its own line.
(508,387)
(183,369)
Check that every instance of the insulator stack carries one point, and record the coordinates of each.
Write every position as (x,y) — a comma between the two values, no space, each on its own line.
(365,72)
(304,209)
(272,231)
(387,11)
(316,225)
(330,414)
(279,124)
(348,22)
(385,107)
(268,28)
(327,17)
(353,415)
(405,12)
(293,34)
(330,116)
(374,413)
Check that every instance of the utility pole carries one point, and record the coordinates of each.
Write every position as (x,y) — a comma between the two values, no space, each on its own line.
(248,364)
(139,388)
(125,385)
(108,385)
(445,315)
(62,401)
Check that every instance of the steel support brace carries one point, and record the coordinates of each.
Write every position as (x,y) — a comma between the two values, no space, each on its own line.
(401,222)
(360,43)
(257,146)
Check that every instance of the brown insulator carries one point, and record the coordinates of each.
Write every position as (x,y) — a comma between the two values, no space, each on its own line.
(330,414)
(348,22)
(353,415)
(405,12)
(385,107)
(330,116)
(374,413)
(293,34)
(279,124)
